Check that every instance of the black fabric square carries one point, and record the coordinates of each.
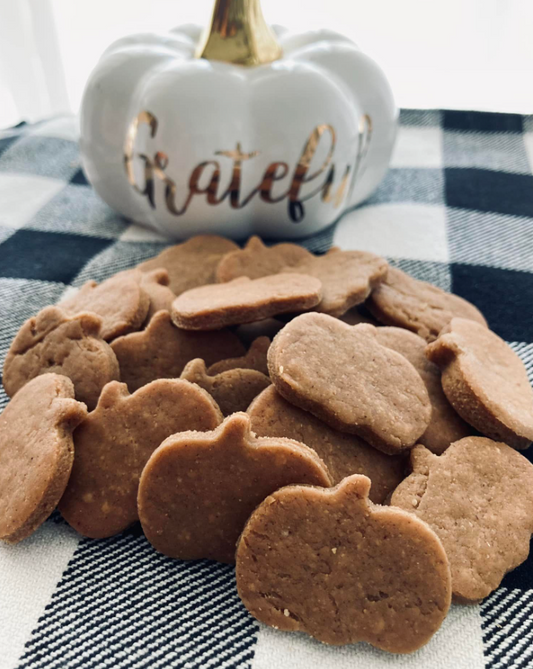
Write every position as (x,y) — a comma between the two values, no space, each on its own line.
(504,296)
(6,143)
(487,190)
(522,577)
(474,121)
(47,256)
(79,178)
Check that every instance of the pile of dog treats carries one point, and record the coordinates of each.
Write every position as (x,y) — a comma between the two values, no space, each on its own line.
(346,435)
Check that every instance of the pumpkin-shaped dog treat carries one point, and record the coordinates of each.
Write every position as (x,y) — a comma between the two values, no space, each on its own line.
(485,382)
(120,301)
(330,563)
(36,453)
(342,375)
(478,497)
(256,260)
(198,490)
(192,263)
(418,306)
(343,454)
(233,390)
(347,277)
(163,350)
(255,358)
(244,301)
(68,345)
(114,443)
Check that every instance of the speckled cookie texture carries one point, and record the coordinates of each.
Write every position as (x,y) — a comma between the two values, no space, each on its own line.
(418,306)
(245,301)
(485,381)
(192,263)
(51,341)
(233,390)
(256,260)
(254,358)
(343,454)
(198,490)
(114,443)
(347,278)
(155,285)
(446,426)
(343,376)
(120,301)
(333,565)
(162,350)
(36,453)
(478,497)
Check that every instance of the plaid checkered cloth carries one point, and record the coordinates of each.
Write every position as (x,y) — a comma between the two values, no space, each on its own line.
(455,209)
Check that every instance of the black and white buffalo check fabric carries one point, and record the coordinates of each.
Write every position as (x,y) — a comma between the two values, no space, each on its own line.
(455,209)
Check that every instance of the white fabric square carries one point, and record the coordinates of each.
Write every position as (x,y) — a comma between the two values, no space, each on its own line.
(418,147)
(457,644)
(66,127)
(528,143)
(23,195)
(138,233)
(400,230)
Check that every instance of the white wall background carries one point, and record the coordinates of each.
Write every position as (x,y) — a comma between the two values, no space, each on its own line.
(462,54)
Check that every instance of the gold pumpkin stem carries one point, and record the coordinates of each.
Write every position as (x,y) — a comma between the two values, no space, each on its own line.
(239,34)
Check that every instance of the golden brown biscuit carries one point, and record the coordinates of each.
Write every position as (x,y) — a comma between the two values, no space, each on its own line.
(343,376)
(114,443)
(192,263)
(244,301)
(254,358)
(163,350)
(51,341)
(155,285)
(358,315)
(478,497)
(36,453)
(343,454)
(446,426)
(347,278)
(256,260)
(233,390)
(417,306)
(198,490)
(485,382)
(120,301)
(333,565)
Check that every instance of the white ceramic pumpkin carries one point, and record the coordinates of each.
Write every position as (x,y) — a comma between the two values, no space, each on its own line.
(251,131)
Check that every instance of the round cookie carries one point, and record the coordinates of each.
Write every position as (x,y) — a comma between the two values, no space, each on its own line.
(36,453)
(485,382)
(418,306)
(51,341)
(114,443)
(343,454)
(343,376)
(478,497)
(197,490)
(333,565)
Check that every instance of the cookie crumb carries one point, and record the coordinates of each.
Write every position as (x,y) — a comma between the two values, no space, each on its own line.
(333,550)
(286,613)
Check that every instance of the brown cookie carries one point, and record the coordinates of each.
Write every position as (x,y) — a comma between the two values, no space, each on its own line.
(255,358)
(347,278)
(343,376)
(417,306)
(249,332)
(478,497)
(163,350)
(192,263)
(51,341)
(358,315)
(114,443)
(256,260)
(343,454)
(485,382)
(155,285)
(233,390)
(446,426)
(333,565)
(36,453)
(244,301)
(120,301)
(198,490)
